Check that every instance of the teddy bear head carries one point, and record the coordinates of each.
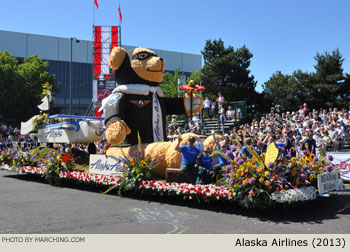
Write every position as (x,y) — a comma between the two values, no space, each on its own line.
(137,66)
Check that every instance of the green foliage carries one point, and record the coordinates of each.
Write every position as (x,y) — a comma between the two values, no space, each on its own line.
(170,84)
(327,87)
(196,77)
(55,163)
(226,70)
(135,169)
(21,86)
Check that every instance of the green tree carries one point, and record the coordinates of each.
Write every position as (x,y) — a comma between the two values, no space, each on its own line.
(289,91)
(21,86)
(226,70)
(327,87)
(171,83)
(196,77)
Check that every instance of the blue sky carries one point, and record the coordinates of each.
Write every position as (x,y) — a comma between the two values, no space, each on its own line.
(283,35)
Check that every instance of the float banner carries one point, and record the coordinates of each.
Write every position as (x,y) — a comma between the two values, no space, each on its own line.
(327,182)
(111,165)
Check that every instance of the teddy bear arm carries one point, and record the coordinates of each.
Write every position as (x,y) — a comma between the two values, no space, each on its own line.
(117,131)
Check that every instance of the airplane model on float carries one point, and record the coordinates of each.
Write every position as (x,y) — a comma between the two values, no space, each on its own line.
(72,129)
(68,129)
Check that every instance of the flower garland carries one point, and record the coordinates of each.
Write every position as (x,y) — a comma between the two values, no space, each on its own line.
(205,192)
(74,175)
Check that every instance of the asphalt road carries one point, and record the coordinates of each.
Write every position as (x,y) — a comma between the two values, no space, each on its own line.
(30,206)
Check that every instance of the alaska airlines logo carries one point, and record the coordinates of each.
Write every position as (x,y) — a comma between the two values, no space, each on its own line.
(104,166)
(114,98)
(53,133)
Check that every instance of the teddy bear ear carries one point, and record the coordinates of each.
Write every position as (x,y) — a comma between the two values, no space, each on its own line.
(117,57)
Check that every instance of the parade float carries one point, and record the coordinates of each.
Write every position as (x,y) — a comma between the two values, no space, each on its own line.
(260,182)
(134,113)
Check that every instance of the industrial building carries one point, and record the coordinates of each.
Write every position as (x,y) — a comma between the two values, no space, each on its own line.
(57,51)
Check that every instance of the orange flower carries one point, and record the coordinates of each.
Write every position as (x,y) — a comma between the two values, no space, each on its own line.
(261,180)
(65,157)
(246,170)
(242,174)
(254,167)
(294,172)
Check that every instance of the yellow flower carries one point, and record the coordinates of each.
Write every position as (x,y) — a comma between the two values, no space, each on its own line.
(267,173)
(293,159)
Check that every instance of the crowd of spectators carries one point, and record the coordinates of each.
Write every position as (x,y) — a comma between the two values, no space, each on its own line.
(212,109)
(302,129)
(11,136)
(324,128)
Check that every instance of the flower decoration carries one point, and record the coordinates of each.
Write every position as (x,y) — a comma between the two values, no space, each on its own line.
(191,86)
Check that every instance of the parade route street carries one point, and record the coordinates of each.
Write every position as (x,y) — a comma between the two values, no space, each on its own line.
(30,206)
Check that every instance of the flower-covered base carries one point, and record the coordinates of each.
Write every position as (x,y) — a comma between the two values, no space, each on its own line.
(205,193)
(294,195)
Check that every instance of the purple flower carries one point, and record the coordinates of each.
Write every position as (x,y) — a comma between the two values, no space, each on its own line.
(304,152)
(270,165)
(232,181)
(302,177)
(315,159)
(229,153)
(284,181)
(328,168)
(330,158)
(260,144)
(240,161)
(288,156)
(228,168)
(252,181)
(233,149)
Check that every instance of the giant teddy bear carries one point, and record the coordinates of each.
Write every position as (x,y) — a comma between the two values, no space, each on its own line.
(138,106)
